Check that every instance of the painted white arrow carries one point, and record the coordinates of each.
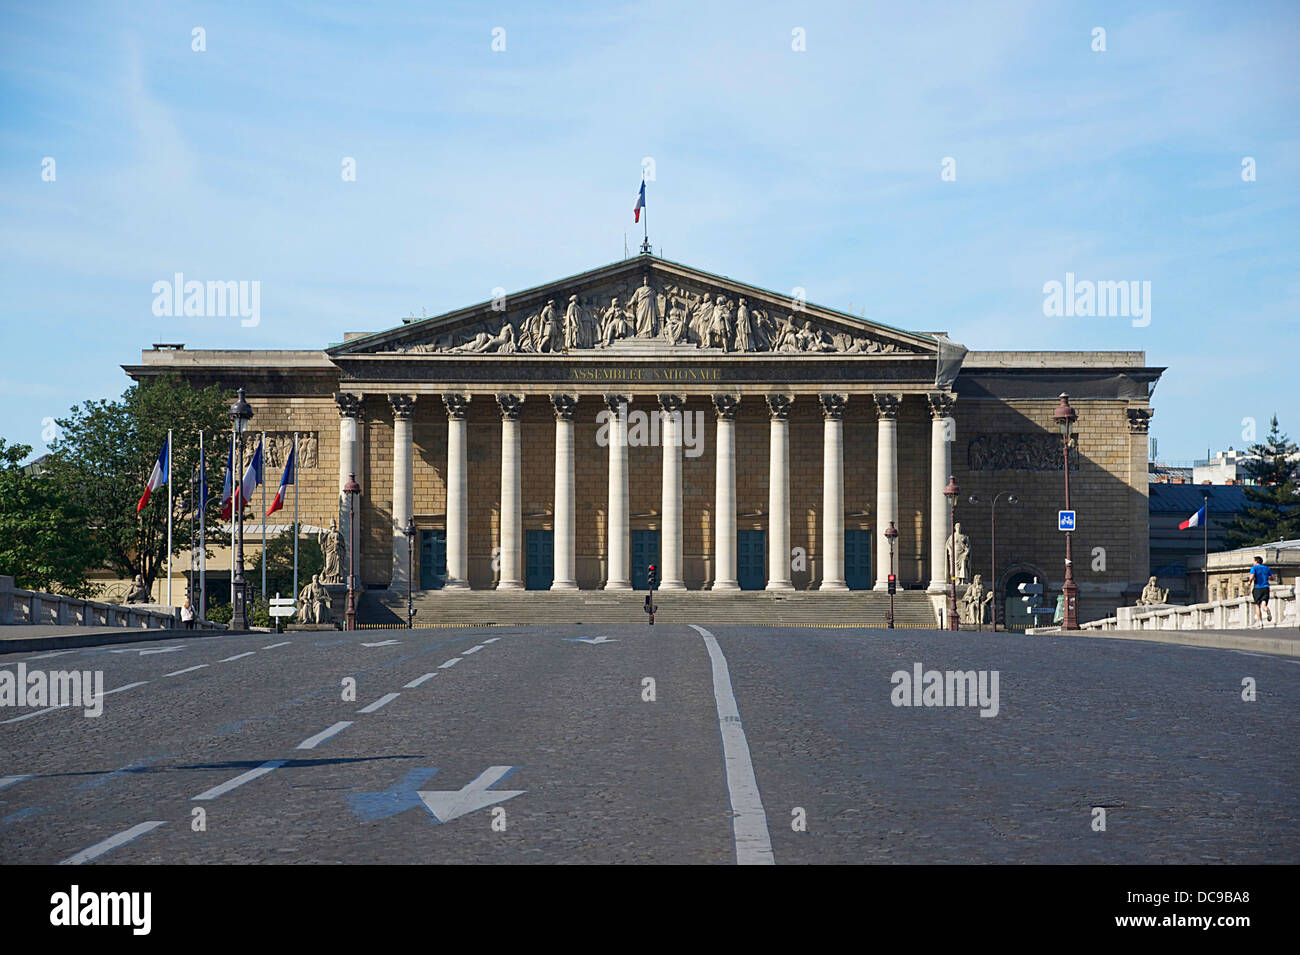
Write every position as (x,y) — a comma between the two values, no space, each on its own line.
(446,805)
(592,640)
(385,643)
(147,652)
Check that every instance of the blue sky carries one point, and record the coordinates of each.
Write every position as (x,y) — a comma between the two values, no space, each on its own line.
(817,168)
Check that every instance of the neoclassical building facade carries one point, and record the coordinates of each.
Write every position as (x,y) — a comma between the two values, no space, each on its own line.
(569,435)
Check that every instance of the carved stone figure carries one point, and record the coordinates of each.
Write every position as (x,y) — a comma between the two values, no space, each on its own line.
(1019,452)
(675,322)
(334,550)
(615,323)
(502,343)
(644,307)
(550,337)
(314,602)
(139,593)
(786,338)
(744,331)
(973,602)
(579,330)
(720,324)
(960,556)
(308,450)
(813,339)
(1152,594)
(701,318)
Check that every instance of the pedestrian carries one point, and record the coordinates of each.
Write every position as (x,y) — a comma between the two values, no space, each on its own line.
(187,616)
(1259,575)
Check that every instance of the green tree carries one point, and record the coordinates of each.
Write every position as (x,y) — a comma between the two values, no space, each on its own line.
(106,451)
(279,564)
(44,543)
(1272,510)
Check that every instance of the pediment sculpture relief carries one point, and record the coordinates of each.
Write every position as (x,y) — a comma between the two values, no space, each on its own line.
(674,314)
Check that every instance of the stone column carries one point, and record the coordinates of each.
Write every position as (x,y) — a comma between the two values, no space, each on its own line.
(887,406)
(566,575)
(942,434)
(832,544)
(403,487)
(670,576)
(457,496)
(512,514)
(349,406)
(724,500)
(617,556)
(778,494)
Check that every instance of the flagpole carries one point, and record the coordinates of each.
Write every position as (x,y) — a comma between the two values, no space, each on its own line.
(235,478)
(1205,547)
(295,515)
(263,449)
(169,517)
(203,547)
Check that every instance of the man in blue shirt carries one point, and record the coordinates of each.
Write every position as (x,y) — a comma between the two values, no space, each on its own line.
(1259,575)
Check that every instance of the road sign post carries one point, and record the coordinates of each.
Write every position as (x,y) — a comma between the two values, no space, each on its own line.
(282,607)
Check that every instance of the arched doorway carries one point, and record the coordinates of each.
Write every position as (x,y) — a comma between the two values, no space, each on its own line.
(1015,612)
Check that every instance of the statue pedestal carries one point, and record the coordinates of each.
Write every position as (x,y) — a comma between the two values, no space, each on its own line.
(338,604)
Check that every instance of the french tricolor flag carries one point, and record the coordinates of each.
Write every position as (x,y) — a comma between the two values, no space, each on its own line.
(1196,520)
(157,477)
(288,478)
(252,478)
(226,490)
(640,203)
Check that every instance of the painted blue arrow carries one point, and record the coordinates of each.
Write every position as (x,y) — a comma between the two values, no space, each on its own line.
(396,799)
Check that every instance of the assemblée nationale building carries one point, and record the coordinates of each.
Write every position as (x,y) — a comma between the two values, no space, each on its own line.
(646,412)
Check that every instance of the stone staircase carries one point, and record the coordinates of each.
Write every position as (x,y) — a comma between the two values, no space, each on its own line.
(451,608)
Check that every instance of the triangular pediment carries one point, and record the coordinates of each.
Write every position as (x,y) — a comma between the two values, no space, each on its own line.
(646,306)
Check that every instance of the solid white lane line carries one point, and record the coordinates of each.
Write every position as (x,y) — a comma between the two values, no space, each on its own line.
(28,716)
(238,656)
(112,842)
(418,680)
(274,645)
(749,821)
(450,663)
(472,650)
(239,780)
(311,742)
(10,780)
(382,701)
(493,640)
(186,670)
(385,643)
(129,686)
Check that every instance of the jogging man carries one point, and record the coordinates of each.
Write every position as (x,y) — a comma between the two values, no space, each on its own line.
(1259,575)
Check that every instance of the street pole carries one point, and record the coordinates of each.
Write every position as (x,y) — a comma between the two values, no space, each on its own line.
(1066,417)
(203,539)
(891,533)
(410,573)
(951,492)
(263,558)
(352,489)
(295,515)
(170,511)
(240,414)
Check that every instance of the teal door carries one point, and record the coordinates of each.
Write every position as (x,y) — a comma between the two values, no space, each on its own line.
(857,559)
(539,560)
(751,559)
(645,551)
(433,559)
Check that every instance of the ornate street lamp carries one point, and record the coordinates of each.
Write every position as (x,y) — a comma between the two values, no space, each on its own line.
(352,489)
(409,531)
(891,534)
(951,492)
(1065,416)
(240,414)
(993,549)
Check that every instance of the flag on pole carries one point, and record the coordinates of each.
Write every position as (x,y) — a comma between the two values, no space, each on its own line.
(226,490)
(252,478)
(1196,520)
(158,477)
(290,477)
(640,203)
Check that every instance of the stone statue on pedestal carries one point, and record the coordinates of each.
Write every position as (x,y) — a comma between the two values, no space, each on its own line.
(973,602)
(314,602)
(1152,594)
(139,593)
(334,551)
(959,553)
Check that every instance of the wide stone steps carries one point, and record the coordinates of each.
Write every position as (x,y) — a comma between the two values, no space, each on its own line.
(445,608)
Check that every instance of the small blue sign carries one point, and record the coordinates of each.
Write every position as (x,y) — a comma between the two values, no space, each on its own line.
(1065,520)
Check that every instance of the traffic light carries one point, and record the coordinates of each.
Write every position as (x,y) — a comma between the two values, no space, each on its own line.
(893,584)
(652,576)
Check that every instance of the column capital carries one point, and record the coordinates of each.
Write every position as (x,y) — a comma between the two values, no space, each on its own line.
(672,403)
(457,405)
(941,403)
(887,404)
(614,402)
(512,406)
(779,406)
(1139,420)
(565,405)
(727,406)
(833,405)
(403,405)
(349,404)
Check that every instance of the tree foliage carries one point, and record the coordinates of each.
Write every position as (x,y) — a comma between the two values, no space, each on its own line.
(1272,509)
(43,541)
(279,564)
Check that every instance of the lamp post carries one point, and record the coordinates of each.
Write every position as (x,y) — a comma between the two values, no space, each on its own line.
(891,534)
(409,531)
(240,414)
(993,548)
(1065,416)
(951,492)
(352,489)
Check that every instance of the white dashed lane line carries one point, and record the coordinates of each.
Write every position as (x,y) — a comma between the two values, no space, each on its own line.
(10,780)
(311,742)
(450,663)
(274,645)
(472,650)
(186,670)
(418,680)
(239,780)
(111,843)
(493,640)
(381,702)
(238,656)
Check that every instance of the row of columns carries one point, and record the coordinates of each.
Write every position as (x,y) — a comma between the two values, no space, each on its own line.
(672,577)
